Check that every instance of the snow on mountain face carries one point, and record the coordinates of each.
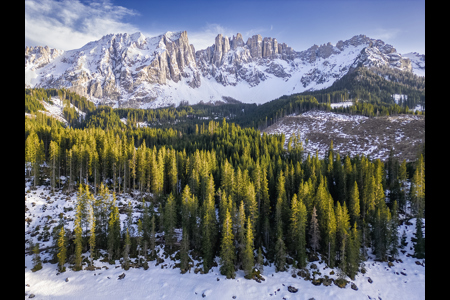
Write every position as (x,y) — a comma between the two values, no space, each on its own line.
(131,70)
(417,62)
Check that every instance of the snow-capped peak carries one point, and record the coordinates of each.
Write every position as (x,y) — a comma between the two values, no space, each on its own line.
(131,70)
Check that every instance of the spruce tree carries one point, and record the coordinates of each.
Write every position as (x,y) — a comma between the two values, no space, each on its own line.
(62,250)
(354,206)
(54,151)
(184,251)
(113,231)
(393,248)
(418,188)
(353,250)
(126,251)
(152,244)
(209,233)
(314,231)
(280,252)
(298,230)
(248,259)
(227,254)
(139,239)
(78,232)
(419,246)
(92,232)
(240,234)
(170,218)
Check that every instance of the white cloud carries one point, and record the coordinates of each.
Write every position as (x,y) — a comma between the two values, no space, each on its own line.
(205,37)
(70,25)
(386,34)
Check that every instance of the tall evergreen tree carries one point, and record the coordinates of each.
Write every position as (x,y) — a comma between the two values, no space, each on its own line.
(248,259)
(419,246)
(280,251)
(92,231)
(209,233)
(184,251)
(62,250)
(170,218)
(354,206)
(298,230)
(78,239)
(126,251)
(394,243)
(353,252)
(227,254)
(314,231)
(418,188)
(113,231)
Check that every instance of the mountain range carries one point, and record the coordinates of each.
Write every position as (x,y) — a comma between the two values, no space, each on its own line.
(131,70)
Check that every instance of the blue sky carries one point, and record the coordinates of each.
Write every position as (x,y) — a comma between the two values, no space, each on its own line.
(300,24)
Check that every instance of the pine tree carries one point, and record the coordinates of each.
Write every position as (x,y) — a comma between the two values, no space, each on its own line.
(227,254)
(248,259)
(62,250)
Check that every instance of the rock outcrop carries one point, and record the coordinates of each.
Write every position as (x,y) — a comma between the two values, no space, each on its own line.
(132,70)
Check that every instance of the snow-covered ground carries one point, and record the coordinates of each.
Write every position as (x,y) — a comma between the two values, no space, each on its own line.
(354,134)
(341,104)
(403,280)
(56,109)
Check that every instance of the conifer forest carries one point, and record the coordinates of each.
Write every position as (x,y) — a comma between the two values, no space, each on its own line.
(215,188)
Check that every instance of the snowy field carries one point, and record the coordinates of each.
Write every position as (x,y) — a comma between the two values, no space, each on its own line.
(341,104)
(404,280)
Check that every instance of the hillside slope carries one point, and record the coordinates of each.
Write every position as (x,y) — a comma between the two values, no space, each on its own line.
(353,134)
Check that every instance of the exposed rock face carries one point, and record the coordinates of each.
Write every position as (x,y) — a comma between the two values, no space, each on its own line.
(131,70)
(37,57)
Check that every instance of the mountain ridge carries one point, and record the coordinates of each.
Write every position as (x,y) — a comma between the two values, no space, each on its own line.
(131,70)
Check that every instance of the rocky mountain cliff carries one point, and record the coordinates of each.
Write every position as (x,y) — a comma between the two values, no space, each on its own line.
(131,70)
